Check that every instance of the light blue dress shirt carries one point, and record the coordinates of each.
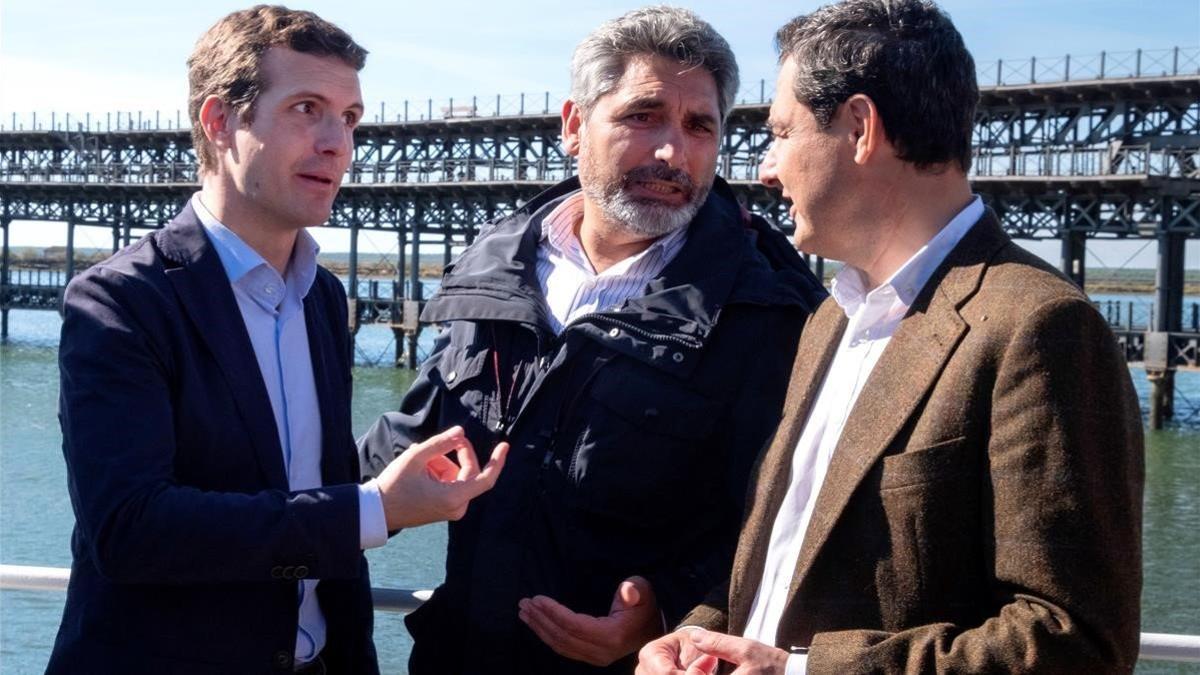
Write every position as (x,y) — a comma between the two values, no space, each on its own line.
(272,308)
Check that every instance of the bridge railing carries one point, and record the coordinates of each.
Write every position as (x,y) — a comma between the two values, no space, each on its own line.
(76,173)
(1153,646)
(541,170)
(1110,160)
(1170,62)
(1106,65)
(1113,160)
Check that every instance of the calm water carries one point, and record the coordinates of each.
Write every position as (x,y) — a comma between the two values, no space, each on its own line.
(36,519)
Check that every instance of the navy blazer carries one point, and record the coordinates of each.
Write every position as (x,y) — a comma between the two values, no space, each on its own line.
(188,544)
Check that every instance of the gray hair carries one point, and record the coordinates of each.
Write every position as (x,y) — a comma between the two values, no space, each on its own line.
(671,32)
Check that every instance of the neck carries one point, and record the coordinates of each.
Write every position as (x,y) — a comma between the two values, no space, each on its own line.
(604,243)
(237,213)
(912,212)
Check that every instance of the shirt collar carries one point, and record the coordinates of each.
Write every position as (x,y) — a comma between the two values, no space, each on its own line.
(848,287)
(558,232)
(239,259)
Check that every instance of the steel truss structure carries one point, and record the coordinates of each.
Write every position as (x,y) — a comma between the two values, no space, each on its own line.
(1101,157)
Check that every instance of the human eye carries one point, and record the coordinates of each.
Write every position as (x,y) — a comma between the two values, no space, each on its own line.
(351,118)
(305,107)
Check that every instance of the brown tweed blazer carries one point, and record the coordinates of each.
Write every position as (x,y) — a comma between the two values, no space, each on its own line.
(982,510)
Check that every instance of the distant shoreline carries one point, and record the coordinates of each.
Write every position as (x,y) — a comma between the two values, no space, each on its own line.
(1133,281)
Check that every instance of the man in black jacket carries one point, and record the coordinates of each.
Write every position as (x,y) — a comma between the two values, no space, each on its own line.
(630,333)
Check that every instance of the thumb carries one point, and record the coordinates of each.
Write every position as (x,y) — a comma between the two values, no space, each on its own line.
(628,591)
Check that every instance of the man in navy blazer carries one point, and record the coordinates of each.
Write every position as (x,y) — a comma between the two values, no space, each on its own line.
(205,401)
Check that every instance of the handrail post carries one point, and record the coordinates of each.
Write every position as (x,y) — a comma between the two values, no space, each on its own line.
(1138,69)
(1102,59)
(1033,70)
(1067,69)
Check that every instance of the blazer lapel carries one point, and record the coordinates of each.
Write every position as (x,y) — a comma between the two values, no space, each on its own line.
(325,370)
(908,367)
(818,343)
(207,298)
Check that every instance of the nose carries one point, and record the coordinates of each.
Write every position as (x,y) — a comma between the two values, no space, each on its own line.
(670,149)
(334,137)
(767,169)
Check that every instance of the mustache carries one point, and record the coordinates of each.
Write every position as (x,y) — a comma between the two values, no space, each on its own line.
(663,173)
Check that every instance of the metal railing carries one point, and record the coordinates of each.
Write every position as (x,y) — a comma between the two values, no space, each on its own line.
(1110,160)
(1173,61)
(1154,646)
(1170,62)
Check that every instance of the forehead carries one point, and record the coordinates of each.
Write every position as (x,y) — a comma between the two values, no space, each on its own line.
(290,72)
(668,82)
(784,104)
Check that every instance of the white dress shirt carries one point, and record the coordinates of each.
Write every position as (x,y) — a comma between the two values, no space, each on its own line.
(569,282)
(874,315)
(272,309)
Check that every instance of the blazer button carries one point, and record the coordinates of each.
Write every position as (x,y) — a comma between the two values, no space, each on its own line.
(277,572)
(301,571)
(289,572)
(283,659)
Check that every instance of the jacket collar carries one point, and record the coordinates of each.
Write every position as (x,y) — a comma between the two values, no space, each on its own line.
(495,278)
(195,271)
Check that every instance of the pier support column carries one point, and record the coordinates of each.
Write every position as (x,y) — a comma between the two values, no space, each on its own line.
(352,299)
(412,306)
(1074,249)
(70,262)
(1168,317)
(4,283)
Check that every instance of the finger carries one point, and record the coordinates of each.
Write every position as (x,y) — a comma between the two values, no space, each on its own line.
(660,657)
(705,665)
(554,635)
(467,462)
(487,478)
(582,626)
(442,469)
(726,647)
(439,444)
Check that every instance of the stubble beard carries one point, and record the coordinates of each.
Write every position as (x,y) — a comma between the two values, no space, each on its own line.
(643,217)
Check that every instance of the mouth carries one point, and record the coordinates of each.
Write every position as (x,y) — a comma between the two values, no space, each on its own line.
(316,179)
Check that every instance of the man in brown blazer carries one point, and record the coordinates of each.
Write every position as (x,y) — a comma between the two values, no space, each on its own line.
(956,483)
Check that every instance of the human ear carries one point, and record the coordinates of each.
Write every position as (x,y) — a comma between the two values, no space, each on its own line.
(572,122)
(218,120)
(866,126)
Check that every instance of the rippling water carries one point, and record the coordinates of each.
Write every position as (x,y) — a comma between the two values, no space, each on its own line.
(36,518)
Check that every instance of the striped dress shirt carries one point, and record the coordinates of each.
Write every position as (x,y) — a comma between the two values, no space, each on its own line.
(570,284)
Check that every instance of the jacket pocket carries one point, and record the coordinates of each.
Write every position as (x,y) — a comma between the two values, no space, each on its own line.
(643,442)
(941,460)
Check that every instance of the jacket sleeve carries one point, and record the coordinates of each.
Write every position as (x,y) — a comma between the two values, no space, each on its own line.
(1064,477)
(137,522)
(393,432)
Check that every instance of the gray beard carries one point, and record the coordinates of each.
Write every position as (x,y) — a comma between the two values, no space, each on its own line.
(646,218)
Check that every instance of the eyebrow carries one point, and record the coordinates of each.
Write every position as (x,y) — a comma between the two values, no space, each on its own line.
(655,103)
(644,103)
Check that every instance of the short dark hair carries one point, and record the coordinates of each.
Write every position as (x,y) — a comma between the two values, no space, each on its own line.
(227,59)
(906,56)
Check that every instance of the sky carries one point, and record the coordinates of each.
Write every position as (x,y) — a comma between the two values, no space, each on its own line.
(129,55)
